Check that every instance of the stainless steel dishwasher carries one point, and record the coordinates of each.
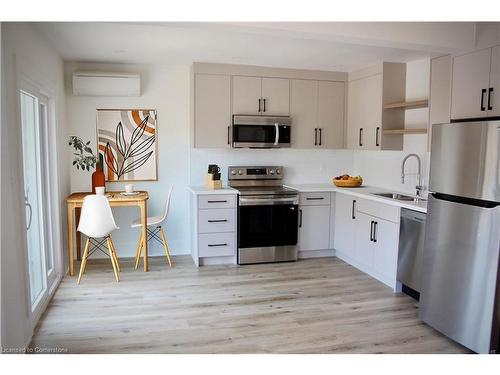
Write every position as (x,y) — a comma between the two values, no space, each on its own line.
(411,246)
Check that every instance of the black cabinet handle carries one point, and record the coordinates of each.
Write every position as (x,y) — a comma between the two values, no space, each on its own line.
(360,132)
(259,105)
(377,133)
(314,198)
(320,131)
(353,203)
(218,221)
(315,136)
(224,201)
(375,231)
(300,218)
(264,105)
(483,108)
(490,94)
(217,244)
(371,230)
(228,140)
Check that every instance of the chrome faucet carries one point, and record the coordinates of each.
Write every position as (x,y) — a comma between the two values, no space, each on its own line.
(419,186)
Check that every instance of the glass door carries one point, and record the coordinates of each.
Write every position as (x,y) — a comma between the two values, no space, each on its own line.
(40,256)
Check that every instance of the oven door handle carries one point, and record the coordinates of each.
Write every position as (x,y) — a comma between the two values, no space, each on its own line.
(267,201)
(277,136)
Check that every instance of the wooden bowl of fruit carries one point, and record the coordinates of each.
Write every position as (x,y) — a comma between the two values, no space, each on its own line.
(347,181)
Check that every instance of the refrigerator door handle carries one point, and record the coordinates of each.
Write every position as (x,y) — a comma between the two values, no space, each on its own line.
(465,200)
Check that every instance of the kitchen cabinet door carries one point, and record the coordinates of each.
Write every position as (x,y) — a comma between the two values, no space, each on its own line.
(247,93)
(364,248)
(345,224)
(304,112)
(439,93)
(470,82)
(385,257)
(212,110)
(314,228)
(494,95)
(364,112)
(275,96)
(331,103)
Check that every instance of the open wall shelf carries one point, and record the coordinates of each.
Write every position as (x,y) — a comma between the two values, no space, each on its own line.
(408,105)
(405,131)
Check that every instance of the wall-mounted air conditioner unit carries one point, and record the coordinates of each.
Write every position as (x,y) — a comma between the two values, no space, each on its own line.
(106,84)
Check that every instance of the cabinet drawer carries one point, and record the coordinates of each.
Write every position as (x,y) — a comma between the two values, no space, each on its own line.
(216,244)
(315,199)
(219,220)
(217,201)
(377,209)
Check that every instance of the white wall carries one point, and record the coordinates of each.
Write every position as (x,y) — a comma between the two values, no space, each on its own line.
(383,168)
(166,89)
(301,166)
(24,52)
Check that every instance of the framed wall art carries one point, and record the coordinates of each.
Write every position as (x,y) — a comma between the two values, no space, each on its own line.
(127,141)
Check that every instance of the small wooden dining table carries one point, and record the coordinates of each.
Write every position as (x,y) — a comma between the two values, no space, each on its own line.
(74,203)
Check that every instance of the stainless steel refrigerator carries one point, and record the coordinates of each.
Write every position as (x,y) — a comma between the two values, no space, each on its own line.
(460,278)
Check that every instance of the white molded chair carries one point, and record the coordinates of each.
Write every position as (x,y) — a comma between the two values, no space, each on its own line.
(97,222)
(153,233)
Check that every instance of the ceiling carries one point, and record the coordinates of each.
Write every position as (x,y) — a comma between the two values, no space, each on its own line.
(307,45)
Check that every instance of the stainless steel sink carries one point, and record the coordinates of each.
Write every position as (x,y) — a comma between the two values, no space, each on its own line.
(400,197)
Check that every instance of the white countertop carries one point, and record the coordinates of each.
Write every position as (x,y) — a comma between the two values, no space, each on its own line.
(202,190)
(362,192)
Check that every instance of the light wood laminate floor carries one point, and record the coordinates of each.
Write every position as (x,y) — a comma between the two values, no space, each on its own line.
(320,305)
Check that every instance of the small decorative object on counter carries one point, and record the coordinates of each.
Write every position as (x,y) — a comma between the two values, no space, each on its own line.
(347,181)
(212,179)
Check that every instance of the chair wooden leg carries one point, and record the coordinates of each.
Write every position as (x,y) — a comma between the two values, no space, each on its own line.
(84,260)
(138,253)
(113,253)
(110,247)
(165,246)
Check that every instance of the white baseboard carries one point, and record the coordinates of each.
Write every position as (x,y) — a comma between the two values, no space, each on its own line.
(316,254)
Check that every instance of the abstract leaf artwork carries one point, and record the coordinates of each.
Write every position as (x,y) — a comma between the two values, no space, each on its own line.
(127,140)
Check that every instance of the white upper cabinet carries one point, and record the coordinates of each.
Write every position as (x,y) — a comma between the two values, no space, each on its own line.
(304,113)
(315,100)
(212,110)
(494,89)
(331,104)
(275,96)
(369,90)
(261,96)
(365,112)
(317,111)
(471,80)
(247,98)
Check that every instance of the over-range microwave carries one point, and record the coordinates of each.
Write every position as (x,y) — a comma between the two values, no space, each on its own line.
(261,131)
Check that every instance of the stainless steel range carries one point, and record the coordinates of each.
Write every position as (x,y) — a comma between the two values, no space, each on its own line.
(268,215)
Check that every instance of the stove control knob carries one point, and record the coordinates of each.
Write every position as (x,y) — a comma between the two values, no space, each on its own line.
(240,172)
(278,171)
(233,172)
(271,171)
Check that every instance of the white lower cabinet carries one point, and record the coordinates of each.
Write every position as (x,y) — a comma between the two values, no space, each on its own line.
(368,241)
(314,228)
(363,245)
(345,225)
(214,223)
(385,257)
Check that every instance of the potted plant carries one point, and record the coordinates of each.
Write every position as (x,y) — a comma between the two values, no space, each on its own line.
(84,159)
